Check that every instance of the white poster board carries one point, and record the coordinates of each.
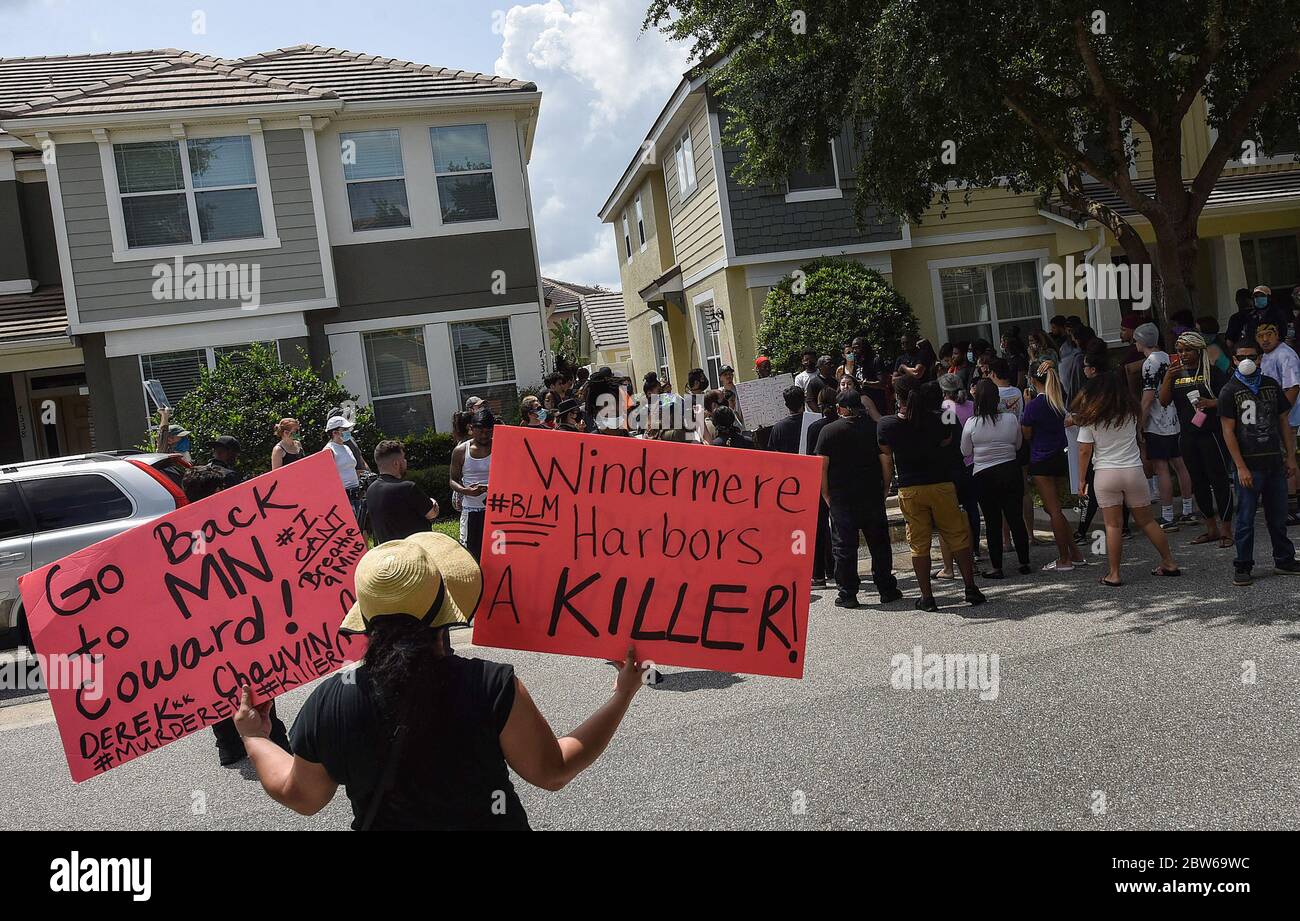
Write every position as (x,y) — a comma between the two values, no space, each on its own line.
(760,399)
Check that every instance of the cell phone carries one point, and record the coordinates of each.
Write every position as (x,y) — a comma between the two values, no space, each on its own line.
(1175,360)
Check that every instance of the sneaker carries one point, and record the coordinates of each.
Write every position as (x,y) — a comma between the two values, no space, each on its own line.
(846,601)
(818,583)
(1292,520)
(1241,577)
(1168,524)
(927,604)
(1127,534)
(1287,566)
(1082,539)
(889,596)
(1025,569)
(974,596)
(1189,518)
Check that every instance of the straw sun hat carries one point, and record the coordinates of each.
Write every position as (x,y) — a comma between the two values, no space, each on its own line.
(427,576)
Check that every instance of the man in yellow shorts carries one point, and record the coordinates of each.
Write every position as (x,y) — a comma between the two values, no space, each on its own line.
(920,446)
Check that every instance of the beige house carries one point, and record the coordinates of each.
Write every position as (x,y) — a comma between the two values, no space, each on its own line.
(698,251)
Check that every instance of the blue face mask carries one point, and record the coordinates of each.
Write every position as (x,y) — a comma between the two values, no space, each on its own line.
(347,435)
(1261,302)
(542,414)
(970,356)
(182,446)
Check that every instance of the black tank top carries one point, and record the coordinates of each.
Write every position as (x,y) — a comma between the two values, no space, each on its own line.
(290,458)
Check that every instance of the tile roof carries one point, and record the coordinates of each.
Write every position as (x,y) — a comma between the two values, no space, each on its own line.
(40,315)
(605,318)
(565,295)
(171,79)
(1240,189)
(356,77)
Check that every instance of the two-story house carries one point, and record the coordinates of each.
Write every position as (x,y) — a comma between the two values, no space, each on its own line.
(368,215)
(698,251)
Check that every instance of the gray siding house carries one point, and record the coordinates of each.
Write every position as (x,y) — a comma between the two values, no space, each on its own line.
(160,209)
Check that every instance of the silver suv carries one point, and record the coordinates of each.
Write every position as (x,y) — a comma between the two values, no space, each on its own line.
(51,508)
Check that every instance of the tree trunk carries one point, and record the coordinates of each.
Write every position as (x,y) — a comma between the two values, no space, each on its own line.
(1176,251)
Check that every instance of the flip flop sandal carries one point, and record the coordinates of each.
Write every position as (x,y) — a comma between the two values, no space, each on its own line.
(943,575)
(1104,581)
(1161,571)
(1205,539)
(1053,567)
(1226,543)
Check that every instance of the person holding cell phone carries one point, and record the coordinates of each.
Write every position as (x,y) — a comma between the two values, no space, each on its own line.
(471,462)
(1191,386)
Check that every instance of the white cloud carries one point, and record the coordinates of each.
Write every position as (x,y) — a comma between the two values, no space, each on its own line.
(603,81)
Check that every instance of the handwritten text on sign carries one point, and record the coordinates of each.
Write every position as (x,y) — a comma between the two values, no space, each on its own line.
(694,555)
(245,587)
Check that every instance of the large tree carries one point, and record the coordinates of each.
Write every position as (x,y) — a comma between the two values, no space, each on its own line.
(1040,96)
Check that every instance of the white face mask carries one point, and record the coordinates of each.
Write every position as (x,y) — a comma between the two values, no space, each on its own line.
(1247,367)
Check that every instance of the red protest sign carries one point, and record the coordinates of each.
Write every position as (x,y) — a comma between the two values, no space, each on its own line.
(246,586)
(693,555)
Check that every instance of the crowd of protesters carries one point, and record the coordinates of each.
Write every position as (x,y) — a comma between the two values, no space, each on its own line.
(1154,439)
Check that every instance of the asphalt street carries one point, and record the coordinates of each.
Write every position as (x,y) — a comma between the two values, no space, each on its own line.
(1165,703)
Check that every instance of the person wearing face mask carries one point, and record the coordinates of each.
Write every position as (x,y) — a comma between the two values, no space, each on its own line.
(1191,386)
(1252,310)
(1281,363)
(172,439)
(1253,411)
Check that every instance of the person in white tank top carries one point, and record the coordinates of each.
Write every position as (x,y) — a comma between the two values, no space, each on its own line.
(471,462)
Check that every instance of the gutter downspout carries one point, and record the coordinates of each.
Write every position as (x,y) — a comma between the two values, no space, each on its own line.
(1094,309)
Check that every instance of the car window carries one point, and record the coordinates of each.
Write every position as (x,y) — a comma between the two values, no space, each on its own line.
(71,501)
(12,521)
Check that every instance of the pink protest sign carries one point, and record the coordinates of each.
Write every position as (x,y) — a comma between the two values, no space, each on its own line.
(246,586)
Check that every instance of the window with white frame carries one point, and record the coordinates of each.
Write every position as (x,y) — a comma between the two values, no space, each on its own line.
(1272,260)
(397,368)
(660,342)
(376,179)
(627,237)
(462,163)
(485,365)
(815,178)
(187,191)
(640,223)
(684,155)
(179,371)
(710,343)
(982,301)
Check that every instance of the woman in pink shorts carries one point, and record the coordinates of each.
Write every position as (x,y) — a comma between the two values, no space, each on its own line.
(1107,416)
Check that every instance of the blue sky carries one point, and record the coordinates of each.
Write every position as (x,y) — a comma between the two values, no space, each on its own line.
(602,79)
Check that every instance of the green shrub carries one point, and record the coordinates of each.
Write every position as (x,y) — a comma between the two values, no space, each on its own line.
(246,395)
(841,299)
(435,481)
(427,448)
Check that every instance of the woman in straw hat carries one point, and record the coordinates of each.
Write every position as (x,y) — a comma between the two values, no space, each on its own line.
(420,737)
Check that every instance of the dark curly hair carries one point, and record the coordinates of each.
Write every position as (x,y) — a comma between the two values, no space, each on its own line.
(402,662)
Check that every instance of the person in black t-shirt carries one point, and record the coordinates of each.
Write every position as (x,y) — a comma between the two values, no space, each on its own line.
(1253,410)
(917,443)
(825,378)
(787,434)
(225,455)
(1192,386)
(853,488)
(398,507)
(420,737)
(1255,307)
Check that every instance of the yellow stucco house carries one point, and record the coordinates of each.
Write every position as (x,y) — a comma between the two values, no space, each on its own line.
(698,251)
